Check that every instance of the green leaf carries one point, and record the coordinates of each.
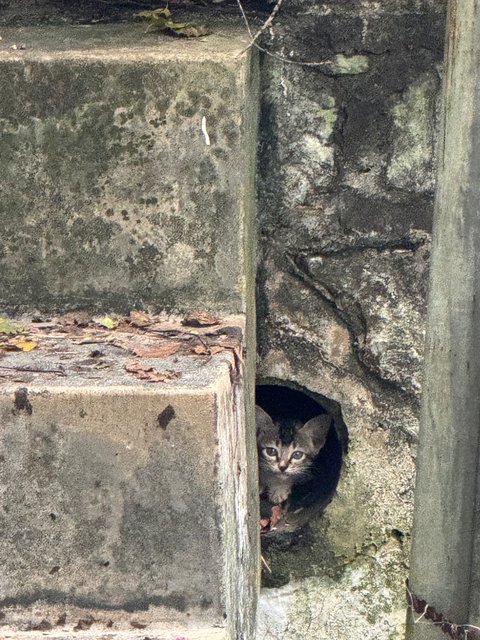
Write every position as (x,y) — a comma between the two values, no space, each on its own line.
(107,322)
(161,20)
(7,326)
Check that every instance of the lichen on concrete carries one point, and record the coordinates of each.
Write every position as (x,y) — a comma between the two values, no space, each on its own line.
(349,65)
(324,608)
(411,164)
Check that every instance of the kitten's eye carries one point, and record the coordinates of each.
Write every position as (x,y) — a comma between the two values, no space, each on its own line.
(270,451)
(297,455)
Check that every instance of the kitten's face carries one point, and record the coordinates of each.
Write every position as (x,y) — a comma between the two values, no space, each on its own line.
(289,448)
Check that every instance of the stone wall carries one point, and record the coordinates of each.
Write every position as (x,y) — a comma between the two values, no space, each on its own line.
(345,192)
(346,201)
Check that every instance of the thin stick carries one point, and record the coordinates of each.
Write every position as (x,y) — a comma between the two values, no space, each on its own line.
(300,63)
(247,24)
(31,370)
(266,24)
(265,563)
(421,616)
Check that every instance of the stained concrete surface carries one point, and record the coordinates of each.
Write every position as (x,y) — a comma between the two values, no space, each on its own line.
(126,169)
(118,503)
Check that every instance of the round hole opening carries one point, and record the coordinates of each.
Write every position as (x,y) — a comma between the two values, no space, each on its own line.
(312,492)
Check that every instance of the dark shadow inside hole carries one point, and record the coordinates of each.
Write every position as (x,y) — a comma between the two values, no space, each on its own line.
(309,498)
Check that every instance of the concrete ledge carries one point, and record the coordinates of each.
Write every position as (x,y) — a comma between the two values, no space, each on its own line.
(124,502)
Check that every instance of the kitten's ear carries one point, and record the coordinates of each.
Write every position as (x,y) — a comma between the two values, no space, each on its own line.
(262,419)
(317,428)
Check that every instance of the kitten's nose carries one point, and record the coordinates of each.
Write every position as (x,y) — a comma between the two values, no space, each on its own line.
(282,466)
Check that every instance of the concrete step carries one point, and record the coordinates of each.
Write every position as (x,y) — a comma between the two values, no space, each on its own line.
(128,475)
(126,172)
(128,498)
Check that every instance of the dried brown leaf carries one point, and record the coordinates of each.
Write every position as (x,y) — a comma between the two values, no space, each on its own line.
(201,350)
(84,624)
(140,318)
(200,319)
(43,625)
(207,349)
(188,30)
(276,515)
(158,349)
(216,348)
(149,374)
(138,625)
(7,346)
(77,318)
(264,525)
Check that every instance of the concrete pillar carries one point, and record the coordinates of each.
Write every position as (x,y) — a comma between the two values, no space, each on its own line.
(445,547)
(129,505)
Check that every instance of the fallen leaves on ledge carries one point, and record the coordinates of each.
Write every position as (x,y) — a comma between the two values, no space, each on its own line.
(200,319)
(161,20)
(150,374)
(158,349)
(81,343)
(19,343)
(13,337)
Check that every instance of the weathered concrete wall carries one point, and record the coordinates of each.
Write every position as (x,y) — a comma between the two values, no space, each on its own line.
(346,195)
(119,505)
(127,181)
(345,192)
(111,194)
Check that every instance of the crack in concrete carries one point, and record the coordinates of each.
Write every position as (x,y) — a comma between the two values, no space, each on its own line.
(373,379)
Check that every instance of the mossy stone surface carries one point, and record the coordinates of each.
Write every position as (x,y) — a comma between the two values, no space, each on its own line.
(112,196)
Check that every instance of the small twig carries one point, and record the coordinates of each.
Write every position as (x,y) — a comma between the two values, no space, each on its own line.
(204,344)
(265,564)
(265,25)
(30,370)
(300,63)
(421,616)
(105,342)
(169,333)
(244,16)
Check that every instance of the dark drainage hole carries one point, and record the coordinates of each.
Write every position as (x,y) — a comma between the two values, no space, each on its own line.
(291,410)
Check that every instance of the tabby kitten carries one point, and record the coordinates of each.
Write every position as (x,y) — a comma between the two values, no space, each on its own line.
(286,451)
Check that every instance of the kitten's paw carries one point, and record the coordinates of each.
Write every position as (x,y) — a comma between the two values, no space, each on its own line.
(277,496)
